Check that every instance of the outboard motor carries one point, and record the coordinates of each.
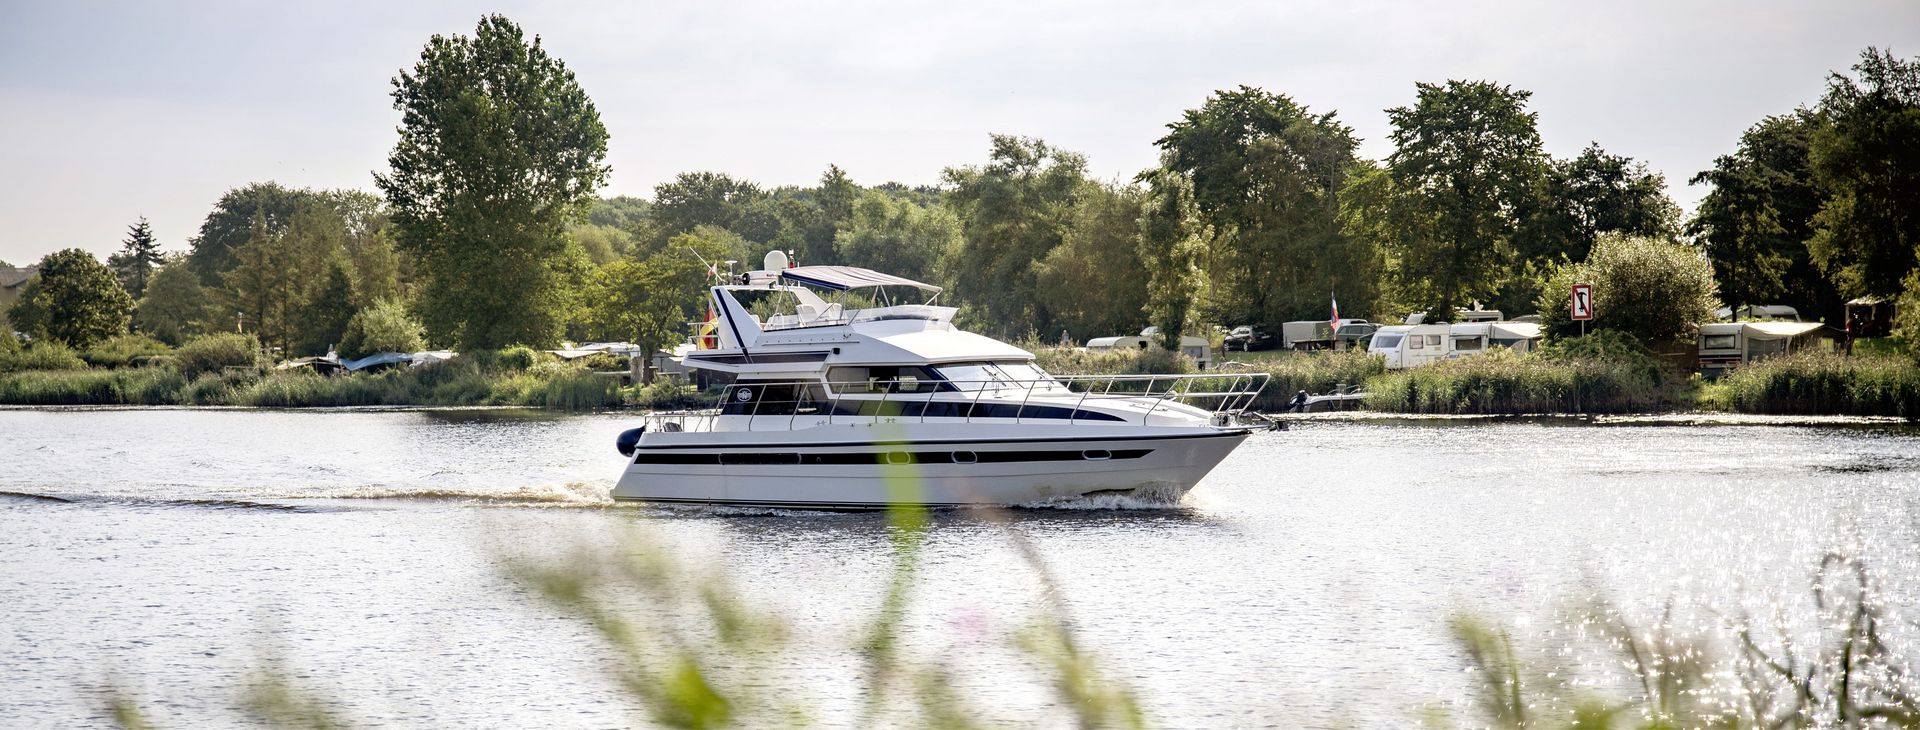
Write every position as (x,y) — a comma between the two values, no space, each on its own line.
(629,440)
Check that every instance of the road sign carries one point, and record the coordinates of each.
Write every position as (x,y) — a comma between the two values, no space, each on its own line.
(1582,301)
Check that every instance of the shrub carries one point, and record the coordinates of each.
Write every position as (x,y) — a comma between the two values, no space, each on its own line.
(124,350)
(41,355)
(665,394)
(1075,361)
(582,391)
(1652,289)
(518,357)
(384,326)
(216,353)
(1606,346)
(603,362)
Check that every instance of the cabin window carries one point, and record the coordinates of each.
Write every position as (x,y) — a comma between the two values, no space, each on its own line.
(1386,342)
(1433,340)
(1467,343)
(971,376)
(752,398)
(884,379)
(1719,342)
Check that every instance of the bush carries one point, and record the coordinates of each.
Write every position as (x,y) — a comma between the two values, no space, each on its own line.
(216,353)
(1652,289)
(124,350)
(132,386)
(384,326)
(1502,382)
(518,357)
(582,391)
(665,394)
(1813,382)
(603,362)
(1606,346)
(41,355)
(1075,361)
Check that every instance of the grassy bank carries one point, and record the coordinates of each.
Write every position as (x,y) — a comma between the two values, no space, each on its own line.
(1505,383)
(1825,383)
(443,384)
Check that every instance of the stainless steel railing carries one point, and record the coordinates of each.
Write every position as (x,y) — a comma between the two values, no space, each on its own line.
(1221,396)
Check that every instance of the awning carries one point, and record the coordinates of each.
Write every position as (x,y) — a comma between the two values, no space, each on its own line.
(842,278)
(1781,329)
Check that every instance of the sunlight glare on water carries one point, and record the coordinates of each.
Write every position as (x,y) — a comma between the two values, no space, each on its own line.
(1306,582)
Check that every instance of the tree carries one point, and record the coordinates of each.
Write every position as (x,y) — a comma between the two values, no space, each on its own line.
(383,327)
(897,237)
(1598,193)
(1756,220)
(232,224)
(260,289)
(499,151)
(1654,289)
(1172,241)
(1866,158)
(1013,211)
(73,299)
(1467,159)
(322,318)
(695,199)
(1094,283)
(1266,173)
(138,257)
(650,301)
(175,306)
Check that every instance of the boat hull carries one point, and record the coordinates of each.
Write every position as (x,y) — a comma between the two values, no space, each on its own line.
(839,469)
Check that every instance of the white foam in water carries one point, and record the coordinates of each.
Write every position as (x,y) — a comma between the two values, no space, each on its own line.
(591,494)
(1154,497)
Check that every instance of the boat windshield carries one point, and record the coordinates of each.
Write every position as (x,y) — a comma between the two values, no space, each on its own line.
(996,375)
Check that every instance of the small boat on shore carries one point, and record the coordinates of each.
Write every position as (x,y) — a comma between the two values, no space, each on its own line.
(867,402)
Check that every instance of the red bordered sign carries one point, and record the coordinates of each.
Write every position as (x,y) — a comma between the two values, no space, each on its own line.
(1582,301)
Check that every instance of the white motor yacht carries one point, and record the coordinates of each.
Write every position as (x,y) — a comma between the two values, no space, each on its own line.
(865,402)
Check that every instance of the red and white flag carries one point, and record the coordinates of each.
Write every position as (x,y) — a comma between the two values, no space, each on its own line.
(1336,308)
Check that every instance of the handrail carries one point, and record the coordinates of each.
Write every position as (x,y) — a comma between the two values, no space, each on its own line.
(1227,395)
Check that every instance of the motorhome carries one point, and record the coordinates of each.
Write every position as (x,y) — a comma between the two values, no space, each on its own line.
(1463,315)
(1728,345)
(1410,346)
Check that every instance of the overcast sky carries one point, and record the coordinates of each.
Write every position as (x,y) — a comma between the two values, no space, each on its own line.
(109,112)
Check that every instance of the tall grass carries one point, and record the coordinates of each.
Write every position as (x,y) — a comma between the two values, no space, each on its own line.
(1813,382)
(1076,361)
(1502,382)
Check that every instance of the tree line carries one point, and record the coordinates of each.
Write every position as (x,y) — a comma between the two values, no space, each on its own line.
(488,231)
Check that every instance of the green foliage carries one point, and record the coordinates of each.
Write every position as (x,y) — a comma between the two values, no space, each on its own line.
(1266,175)
(1755,222)
(499,151)
(322,321)
(1652,289)
(1077,361)
(1013,211)
(896,236)
(1172,243)
(73,299)
(1597,193)
(138,257)
(1314,372)
(581,390)
(650,301)
(175,306)
(519,357)
(217,353)
(665,394)
(1866,160)
(148,386)
(1467,161)
(695,199)
(1092,284)
(384,327)
(1606,346)
(1501,382)
(236,219)
(124,350)
(1813,382)
(40,355)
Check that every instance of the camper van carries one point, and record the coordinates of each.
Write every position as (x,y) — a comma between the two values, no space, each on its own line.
(1728,345)
(1414,345)
(1195,347)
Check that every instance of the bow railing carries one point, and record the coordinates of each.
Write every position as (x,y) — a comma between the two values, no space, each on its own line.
(789,404)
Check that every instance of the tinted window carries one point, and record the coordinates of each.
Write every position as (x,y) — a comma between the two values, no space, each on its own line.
(884,379)
(1718,342)
(752,398)
(1386,342)
(1466,343)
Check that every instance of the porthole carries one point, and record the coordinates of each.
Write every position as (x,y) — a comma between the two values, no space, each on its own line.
(899,457)
(1096,455)
(965,457)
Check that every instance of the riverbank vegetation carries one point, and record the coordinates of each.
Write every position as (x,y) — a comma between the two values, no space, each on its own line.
(1826,383)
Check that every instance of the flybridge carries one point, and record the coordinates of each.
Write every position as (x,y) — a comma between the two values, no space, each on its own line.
(847,278)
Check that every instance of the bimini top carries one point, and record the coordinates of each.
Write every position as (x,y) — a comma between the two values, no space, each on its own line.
(842,278)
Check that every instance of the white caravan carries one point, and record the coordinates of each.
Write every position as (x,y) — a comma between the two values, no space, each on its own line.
(1728,345)
(1413,345)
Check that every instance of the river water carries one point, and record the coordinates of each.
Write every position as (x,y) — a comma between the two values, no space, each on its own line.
(172,555)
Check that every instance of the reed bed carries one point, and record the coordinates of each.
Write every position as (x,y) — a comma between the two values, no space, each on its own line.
(446,384)
(1813,382)
(1504,383)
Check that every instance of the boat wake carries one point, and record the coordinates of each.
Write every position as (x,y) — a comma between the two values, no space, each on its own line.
(1158,497)
(570,494)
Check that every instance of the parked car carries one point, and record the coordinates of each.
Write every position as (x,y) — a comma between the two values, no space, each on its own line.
(1247,338)
(1357,334)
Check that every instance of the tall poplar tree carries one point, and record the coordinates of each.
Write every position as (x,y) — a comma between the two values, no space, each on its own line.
(500,149)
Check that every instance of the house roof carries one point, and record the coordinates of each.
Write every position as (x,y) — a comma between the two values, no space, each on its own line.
(11,277)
